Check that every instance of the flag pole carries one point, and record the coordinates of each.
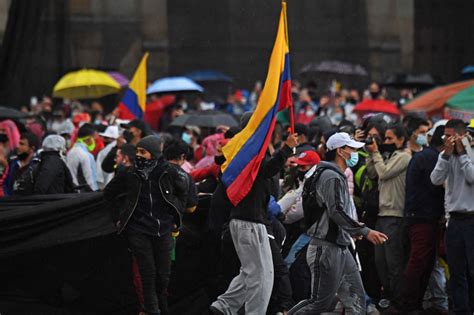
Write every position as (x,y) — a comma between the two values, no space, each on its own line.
(292,114)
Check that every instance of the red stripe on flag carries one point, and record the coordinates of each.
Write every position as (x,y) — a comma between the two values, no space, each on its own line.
(245,180)
(285,95)
(124,113)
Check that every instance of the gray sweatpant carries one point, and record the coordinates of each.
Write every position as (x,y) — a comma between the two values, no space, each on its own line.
(335,277)
(253,286)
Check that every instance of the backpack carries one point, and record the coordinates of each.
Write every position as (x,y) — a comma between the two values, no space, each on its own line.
(312,209)
(25,184)
(366,193)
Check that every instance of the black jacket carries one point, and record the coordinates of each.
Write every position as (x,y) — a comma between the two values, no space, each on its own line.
(163,196)
(108,164)
(424,202)
(52,176)
(254,206)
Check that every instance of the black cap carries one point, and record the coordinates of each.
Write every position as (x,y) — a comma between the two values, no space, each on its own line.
(86,130)
(139,124)
(301,129)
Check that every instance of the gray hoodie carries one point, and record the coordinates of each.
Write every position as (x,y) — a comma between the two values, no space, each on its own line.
(335,224)
(458,170)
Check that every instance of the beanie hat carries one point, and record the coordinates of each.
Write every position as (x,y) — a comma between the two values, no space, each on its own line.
(151,144)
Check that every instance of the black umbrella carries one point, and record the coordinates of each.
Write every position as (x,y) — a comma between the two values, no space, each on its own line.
(334,66)
(11,113)
(209,119)
(408,80)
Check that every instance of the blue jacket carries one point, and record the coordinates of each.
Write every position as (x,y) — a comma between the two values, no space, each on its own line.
(424,202)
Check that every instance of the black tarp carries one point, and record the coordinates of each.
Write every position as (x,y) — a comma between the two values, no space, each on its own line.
(60,254)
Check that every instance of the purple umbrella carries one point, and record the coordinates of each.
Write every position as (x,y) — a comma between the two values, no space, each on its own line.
(120,78)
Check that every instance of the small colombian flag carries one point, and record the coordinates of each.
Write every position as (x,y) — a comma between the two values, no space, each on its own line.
(134,100)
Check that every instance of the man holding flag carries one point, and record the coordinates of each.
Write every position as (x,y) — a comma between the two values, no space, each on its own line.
(246,173)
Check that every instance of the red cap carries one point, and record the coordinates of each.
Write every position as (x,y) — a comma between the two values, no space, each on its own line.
(307,158)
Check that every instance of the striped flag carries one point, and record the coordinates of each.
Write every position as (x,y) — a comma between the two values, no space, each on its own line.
(245,151)
(134,100)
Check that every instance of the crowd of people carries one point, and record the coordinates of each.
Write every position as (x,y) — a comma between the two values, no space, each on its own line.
(348,213)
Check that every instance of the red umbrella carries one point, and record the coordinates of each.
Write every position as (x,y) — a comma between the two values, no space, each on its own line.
(377,106)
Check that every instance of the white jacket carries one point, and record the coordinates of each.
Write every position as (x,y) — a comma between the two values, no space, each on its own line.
(81,162)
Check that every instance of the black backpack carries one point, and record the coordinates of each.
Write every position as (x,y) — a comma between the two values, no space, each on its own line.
(312,209)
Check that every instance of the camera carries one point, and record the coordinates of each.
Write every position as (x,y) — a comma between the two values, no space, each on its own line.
(369,141)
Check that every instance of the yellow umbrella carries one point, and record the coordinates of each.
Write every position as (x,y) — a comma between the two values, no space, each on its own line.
(85,84)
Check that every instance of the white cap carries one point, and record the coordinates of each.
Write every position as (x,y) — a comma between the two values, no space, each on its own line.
(54,143)
(441,122)
(342,139)
(110,132)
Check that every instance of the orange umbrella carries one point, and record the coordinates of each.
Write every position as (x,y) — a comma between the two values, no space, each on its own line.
(433,101)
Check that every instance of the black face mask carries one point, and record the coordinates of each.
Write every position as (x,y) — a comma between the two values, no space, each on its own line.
(388,148)
(22,156)
(144,167)
(374,95)
(3,138)
(219,159)
(351,100)
(128,135)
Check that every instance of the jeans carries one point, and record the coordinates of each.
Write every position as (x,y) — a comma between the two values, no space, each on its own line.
(153,255)
(301,242)
(436,295)
(460,254)
(389,256)
(423,241)
(281,298)
(335,276)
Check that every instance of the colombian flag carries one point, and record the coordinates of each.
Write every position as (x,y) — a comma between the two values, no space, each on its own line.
(133,102)
(245,151)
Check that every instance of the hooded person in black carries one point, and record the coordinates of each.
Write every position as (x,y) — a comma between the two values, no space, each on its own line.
(53,176)
(156,195)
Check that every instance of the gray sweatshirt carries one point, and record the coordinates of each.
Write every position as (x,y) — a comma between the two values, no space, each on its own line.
(458,170)
(335,224)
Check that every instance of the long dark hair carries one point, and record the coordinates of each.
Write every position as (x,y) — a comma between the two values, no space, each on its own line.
(399,131)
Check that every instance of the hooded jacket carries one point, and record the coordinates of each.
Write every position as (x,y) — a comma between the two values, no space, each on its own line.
(154,206)
(53,175)
(335,223)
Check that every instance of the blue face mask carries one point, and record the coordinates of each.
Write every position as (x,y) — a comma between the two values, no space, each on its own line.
(353,160)
(422,140)
(186,137)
